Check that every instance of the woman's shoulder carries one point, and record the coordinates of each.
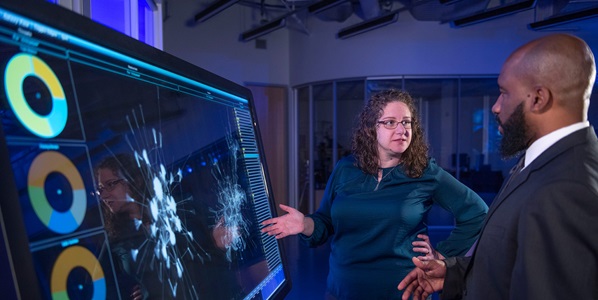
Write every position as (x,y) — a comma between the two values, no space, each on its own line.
(435,172)
(348,160)
(432,169)
(347,165)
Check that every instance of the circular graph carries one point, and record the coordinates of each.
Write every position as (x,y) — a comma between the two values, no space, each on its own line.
(43,165)
(17,70)
(71,258)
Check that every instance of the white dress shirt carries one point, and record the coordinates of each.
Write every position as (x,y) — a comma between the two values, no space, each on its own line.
(543,143)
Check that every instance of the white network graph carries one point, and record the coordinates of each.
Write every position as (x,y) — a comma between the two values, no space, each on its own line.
(170,243)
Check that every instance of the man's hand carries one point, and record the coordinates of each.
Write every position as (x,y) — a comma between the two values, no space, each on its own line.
(425,279)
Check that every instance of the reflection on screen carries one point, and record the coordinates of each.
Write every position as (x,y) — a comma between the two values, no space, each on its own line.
(131,178)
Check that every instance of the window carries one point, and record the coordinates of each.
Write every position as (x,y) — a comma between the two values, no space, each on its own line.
(139,19)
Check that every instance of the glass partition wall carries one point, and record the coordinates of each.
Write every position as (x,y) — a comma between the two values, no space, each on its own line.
(457,119)
(456,116)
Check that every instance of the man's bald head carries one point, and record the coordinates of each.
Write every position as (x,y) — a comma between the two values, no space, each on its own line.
(561,62)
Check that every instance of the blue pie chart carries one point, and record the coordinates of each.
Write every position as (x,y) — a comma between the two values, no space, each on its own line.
(58,221)
(17,70)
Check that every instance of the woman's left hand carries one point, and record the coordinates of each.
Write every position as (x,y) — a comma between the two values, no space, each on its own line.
(136,293)
(425,247)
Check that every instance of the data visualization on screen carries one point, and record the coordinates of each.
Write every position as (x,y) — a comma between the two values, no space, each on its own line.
(76,97)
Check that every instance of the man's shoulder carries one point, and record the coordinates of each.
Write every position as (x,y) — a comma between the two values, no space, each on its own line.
(572,159)
(573,148)
(581,148)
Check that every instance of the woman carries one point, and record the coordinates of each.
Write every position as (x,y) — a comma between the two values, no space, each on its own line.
(376,202)
(121,186)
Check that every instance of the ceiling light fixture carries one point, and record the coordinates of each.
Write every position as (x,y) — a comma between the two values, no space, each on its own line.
(263,30)
(368,25)
(448,2)
(494,13)
(323,5)
(564,18)
(213,9)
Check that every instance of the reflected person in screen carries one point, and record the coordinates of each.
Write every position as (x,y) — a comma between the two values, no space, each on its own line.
(124,194)
(539,240)
(125,187)
(376,203)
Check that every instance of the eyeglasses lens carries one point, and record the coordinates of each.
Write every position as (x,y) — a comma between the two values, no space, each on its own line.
(109,186)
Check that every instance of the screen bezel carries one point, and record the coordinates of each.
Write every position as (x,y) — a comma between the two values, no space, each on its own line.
(16,241)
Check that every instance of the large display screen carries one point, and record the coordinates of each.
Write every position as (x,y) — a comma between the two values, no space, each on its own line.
(125,171)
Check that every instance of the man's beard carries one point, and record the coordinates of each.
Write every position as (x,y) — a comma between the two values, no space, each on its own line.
(515,134)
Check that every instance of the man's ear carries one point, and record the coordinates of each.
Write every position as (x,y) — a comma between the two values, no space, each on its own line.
(542,100)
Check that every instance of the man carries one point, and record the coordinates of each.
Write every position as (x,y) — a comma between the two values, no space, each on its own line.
(540,238)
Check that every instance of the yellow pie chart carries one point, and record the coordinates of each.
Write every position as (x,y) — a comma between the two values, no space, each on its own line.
(20,67)
(70,258)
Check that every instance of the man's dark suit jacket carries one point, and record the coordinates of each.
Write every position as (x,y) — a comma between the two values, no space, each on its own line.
(540,239)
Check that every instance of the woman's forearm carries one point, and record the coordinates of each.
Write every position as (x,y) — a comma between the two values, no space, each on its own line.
(308,226)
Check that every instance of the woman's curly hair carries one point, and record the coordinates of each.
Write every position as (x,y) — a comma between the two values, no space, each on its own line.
(126,167)
(365,140)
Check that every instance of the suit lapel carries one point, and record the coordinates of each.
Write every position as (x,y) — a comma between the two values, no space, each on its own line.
(576,138)
(511,185)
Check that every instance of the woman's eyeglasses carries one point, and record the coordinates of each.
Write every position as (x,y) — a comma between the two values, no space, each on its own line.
(392,124)
(108,186)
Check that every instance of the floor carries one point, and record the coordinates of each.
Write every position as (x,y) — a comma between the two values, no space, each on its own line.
(308,268)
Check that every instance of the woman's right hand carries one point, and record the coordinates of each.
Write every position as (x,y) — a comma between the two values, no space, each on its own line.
(425,247)
(288,224)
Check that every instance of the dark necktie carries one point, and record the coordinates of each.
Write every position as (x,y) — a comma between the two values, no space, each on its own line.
(516,169)
(512,174)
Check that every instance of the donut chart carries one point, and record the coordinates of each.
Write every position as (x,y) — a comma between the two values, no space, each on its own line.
(59,222)
(20,67)
(72,257)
